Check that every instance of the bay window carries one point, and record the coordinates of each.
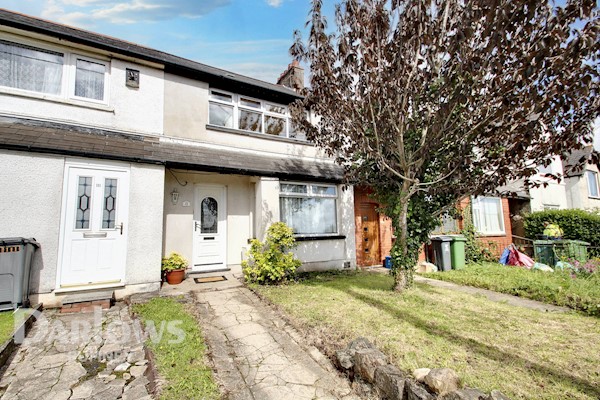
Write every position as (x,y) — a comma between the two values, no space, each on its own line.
(309,209)
(488,217)
(60,74)
(229,110)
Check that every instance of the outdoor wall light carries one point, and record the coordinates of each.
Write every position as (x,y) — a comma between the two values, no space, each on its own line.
(174,196)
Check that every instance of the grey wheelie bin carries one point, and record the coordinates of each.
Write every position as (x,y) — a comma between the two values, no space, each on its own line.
(15,265)
(441,252)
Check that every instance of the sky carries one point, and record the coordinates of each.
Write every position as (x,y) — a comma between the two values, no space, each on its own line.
(250,37)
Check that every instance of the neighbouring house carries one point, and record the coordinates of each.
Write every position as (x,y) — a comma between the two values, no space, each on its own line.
(115,155)
(374,234)
(582,186)
(578,188)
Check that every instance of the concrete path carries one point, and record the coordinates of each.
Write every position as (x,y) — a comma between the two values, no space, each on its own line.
(255,353)
(96,355)
(494,296)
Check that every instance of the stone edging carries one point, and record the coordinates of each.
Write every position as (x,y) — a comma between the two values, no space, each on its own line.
(362,359)
(7,348)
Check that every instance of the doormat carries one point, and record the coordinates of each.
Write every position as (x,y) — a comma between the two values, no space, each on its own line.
(210,279)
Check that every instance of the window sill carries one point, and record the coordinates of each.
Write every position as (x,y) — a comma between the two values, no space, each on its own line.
(493,234)
(54,99)
(319,237)
(594,197)
(258,135)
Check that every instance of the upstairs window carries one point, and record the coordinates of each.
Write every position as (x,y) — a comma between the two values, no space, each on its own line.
(488,217)
(90,79)
(50,72)
(240,112)
(30,68)
(592,178)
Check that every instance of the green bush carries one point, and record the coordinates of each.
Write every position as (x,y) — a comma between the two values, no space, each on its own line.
(271,261)
(576,224)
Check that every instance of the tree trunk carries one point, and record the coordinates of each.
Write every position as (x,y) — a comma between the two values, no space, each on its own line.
(403,277)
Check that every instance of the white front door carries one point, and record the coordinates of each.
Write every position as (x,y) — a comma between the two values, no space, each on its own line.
(94,225)
(210,228)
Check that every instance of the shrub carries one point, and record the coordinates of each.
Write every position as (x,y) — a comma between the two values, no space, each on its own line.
(576,224)
(475,251)
(271,261)
(173,262)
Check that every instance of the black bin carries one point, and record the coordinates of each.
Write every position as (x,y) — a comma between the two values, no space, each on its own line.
(441,252)
(15,265)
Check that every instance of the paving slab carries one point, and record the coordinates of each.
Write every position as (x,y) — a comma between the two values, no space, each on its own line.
(254,354)
(74,356)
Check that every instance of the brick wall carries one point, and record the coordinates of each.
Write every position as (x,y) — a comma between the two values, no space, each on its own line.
(495,244)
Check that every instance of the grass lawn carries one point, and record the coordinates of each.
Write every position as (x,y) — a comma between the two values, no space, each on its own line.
(7,325)
(181,364)
(551,287)
(524,353)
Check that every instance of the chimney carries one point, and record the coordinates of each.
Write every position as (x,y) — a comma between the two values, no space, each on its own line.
(292,77)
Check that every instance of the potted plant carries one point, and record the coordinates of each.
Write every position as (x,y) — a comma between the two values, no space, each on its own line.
(174,268)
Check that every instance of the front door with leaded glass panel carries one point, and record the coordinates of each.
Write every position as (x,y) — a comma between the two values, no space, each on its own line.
(94,225)
(209,228)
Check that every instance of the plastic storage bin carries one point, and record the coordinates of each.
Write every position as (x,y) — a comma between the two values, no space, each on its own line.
(552,251)
(387,262)
(457,251)
(15,265)
(441,251)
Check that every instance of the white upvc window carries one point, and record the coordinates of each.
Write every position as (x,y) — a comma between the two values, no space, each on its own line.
(235,111)
(488,216)
(90,77)
(62,74)
(309,208)
(592,178)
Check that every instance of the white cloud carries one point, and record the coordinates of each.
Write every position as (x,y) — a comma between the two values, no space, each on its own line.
(274,3)
(83,12)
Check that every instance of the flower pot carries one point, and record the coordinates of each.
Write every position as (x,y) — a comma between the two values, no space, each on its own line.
(175,277)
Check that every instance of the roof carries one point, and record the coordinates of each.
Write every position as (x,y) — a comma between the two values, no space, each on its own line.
(64,139)
(574,165)
(173,64)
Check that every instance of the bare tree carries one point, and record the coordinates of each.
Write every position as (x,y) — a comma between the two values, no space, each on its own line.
(432,101)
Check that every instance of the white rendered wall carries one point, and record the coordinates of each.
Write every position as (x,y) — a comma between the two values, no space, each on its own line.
(178,218)
(144,247)
(135,110)
(578,191)
(186,117)
(554,194)
(30,206)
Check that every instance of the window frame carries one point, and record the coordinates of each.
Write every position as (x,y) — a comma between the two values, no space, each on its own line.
(502,232)
(309,194)
(589,175)
(262,110)
(67,84)
(72,78)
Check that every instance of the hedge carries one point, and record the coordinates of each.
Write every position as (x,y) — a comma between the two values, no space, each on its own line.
(576,224)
